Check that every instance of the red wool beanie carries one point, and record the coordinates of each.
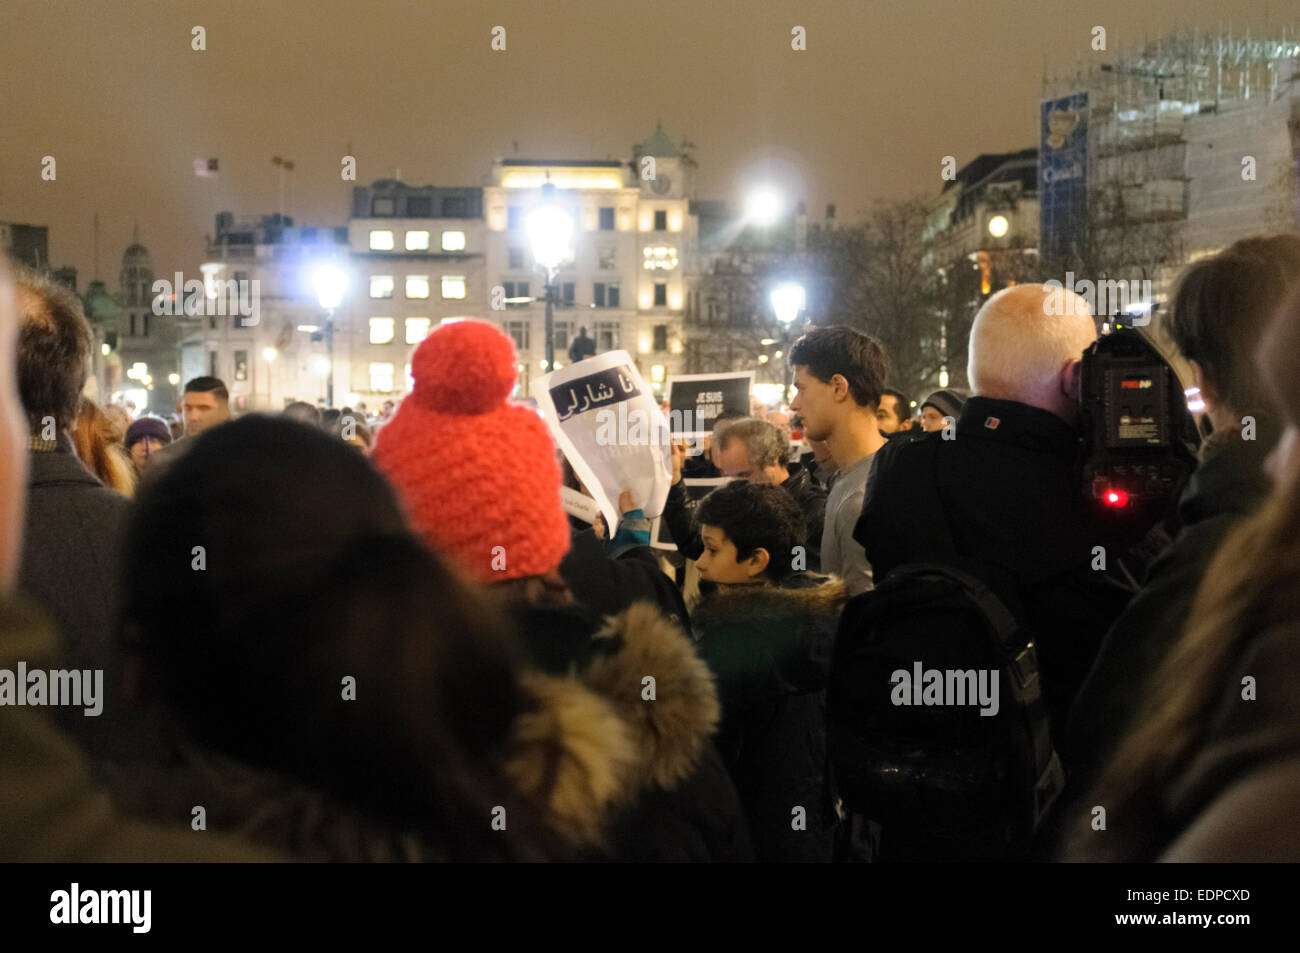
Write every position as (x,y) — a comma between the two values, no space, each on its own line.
(475,471)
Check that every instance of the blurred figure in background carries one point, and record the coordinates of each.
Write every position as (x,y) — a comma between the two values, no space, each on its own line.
(939,405)
(70,552)
(144,438)
(303,412)
(894,413)
(93,437)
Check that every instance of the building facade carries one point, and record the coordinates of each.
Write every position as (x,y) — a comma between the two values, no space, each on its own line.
(277,355)
(417,257)
(1188,144)
(422,256)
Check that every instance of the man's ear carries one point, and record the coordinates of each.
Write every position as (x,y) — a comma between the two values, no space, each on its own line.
(1069,381)
(757,562)
(841,385)
(1204,384)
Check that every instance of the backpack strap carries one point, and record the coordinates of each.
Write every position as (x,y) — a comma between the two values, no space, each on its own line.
(1020,657)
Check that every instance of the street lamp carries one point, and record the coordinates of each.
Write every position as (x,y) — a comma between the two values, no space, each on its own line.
(787,301)
(550,230)
(763,206)
(330,282)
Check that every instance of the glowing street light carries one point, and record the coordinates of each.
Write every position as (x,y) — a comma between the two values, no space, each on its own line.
(550,233)
(998,226)
(330,281)
(763,206)
(788,299)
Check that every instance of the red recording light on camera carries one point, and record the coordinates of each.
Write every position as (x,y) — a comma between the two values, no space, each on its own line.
(1115,498)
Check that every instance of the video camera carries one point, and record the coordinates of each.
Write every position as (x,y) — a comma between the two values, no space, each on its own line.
(1140,439)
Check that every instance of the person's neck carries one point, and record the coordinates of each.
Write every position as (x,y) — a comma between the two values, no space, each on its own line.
(856,437)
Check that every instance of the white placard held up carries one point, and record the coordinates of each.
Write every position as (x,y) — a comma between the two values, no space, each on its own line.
(609,426)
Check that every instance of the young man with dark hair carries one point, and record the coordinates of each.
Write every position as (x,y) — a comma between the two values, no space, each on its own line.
(894,415)
(766,634)
(206,403)
(839,377)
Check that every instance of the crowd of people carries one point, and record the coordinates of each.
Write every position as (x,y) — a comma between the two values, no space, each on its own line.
(331,635)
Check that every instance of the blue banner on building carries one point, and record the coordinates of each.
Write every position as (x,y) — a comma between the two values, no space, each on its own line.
(1062,175)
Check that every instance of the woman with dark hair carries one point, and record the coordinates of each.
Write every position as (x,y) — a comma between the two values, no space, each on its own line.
(340,693)
(1211,768)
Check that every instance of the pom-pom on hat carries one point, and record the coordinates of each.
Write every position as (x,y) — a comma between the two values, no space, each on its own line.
(477,473)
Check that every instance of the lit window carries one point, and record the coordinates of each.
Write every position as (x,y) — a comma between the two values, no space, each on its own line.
(417,329)
(381,239)
(381,330)
(453,241)
(660,257)
(381,377)
(410,378)
(657,373)
(381,286)
(417,241)
(417,286)
(453,286)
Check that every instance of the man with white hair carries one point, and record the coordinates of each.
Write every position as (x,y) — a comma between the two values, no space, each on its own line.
(1002,490)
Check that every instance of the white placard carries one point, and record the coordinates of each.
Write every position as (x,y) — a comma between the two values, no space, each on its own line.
(606,421)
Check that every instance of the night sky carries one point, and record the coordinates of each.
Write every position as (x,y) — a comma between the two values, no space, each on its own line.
(884,90)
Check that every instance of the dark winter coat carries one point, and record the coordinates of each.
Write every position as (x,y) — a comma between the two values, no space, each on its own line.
(608,586)
(770,647)
(811,497)
(70,568)
(1005,494)
(672,799)
(52,806)
(1228,486)
(1238,797)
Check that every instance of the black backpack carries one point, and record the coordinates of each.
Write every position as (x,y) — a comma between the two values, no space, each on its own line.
(942,781)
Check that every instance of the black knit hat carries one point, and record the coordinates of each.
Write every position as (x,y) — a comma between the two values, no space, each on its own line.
(947,402)
(143,427)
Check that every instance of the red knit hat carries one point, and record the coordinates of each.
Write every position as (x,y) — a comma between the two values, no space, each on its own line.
(477,474)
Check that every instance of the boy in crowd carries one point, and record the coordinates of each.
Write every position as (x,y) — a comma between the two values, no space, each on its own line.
(766,635)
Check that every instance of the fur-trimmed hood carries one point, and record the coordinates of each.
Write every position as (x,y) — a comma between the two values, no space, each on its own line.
(807,596)
(636,714)
(790,626)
